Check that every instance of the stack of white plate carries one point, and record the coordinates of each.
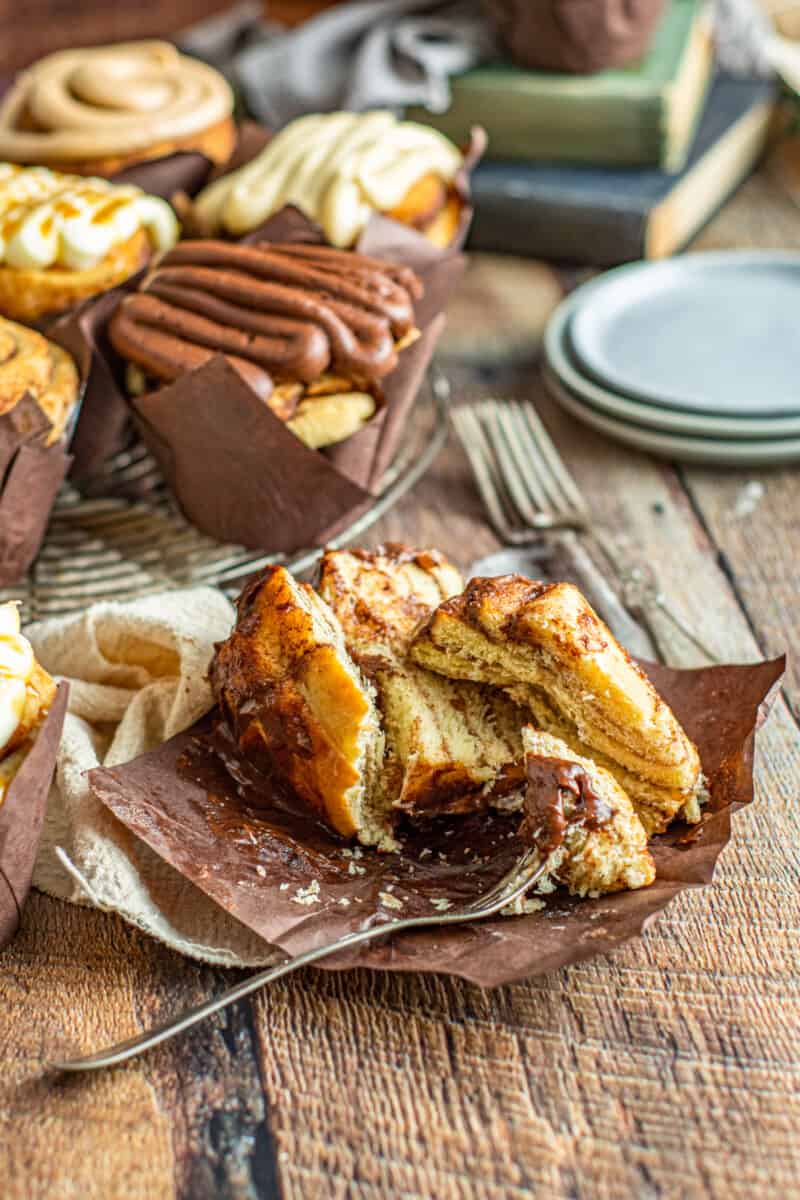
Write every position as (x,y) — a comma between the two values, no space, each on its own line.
(696,358)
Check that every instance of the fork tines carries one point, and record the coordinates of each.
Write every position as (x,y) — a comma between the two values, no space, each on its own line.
(522,478)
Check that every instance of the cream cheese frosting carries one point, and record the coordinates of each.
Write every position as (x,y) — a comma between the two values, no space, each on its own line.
(109,100)
(52,220)
(337,168)
(16,667)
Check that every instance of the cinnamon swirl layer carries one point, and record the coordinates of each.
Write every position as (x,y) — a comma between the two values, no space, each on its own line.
(281,313)
(31,365)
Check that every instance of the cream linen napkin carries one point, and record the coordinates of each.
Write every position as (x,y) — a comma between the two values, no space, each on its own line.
(136,672)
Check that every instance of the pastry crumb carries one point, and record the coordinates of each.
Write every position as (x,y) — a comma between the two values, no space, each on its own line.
(389,901)
(307,895)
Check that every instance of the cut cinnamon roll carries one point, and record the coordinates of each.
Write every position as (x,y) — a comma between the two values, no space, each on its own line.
(313,330)
(550,652)
(451,746)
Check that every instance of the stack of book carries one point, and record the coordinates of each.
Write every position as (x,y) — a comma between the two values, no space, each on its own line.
(607,168)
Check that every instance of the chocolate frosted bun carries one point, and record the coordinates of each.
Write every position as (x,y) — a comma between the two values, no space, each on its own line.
(302,324)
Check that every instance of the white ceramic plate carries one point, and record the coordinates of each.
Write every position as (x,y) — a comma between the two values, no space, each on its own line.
(677,448)
(699,333)
(665,420)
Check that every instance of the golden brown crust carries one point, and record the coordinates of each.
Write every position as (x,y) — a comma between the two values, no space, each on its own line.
(217,143)
(289,692)
(31,365)
(382,596)
(26,295)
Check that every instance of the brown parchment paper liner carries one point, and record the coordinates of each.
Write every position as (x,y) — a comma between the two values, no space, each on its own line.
(22,816)
(259,864)
(237,472)
(30,475)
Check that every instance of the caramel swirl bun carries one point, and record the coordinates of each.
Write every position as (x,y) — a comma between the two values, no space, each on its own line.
(32,365)
(96,110)
(295,311)
(66,237)
(339,169)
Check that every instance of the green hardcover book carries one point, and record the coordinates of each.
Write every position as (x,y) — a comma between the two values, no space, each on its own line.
(642,114)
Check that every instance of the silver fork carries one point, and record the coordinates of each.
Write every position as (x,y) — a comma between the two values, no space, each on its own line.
(526,871)
(528,491)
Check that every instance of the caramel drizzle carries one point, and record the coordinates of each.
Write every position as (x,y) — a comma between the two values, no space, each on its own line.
(294,311)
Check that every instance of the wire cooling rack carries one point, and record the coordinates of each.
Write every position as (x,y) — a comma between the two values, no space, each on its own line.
(130,538)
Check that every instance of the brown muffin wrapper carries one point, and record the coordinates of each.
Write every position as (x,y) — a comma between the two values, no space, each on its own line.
(241,859)
(575,36)
(22,817)
(30,476)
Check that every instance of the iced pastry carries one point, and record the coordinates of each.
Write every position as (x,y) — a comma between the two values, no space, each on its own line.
(33,366)
(339,169)
(545,646)
(64,238)
(581,820)
(312,329)
(94,111)
(26,693)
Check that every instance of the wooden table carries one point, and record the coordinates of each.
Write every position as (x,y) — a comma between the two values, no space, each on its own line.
(666,1070)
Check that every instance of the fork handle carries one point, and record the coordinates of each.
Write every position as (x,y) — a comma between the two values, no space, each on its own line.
(122,1051)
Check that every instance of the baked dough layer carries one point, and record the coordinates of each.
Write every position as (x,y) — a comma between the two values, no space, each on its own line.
(290,691)
(450,745)
(546,646)
(593,861)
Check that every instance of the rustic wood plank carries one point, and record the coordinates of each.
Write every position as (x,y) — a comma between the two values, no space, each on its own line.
(188,1120)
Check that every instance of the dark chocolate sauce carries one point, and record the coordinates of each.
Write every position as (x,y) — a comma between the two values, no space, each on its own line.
(545,822)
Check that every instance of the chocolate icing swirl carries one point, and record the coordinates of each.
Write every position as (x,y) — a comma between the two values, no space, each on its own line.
(545,822)
(280,313)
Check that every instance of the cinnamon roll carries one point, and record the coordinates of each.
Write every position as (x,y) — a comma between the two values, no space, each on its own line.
(313,330)
(550,652)
(26,693)
(64,238)
(33,366)
(338,169)
(95,111)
